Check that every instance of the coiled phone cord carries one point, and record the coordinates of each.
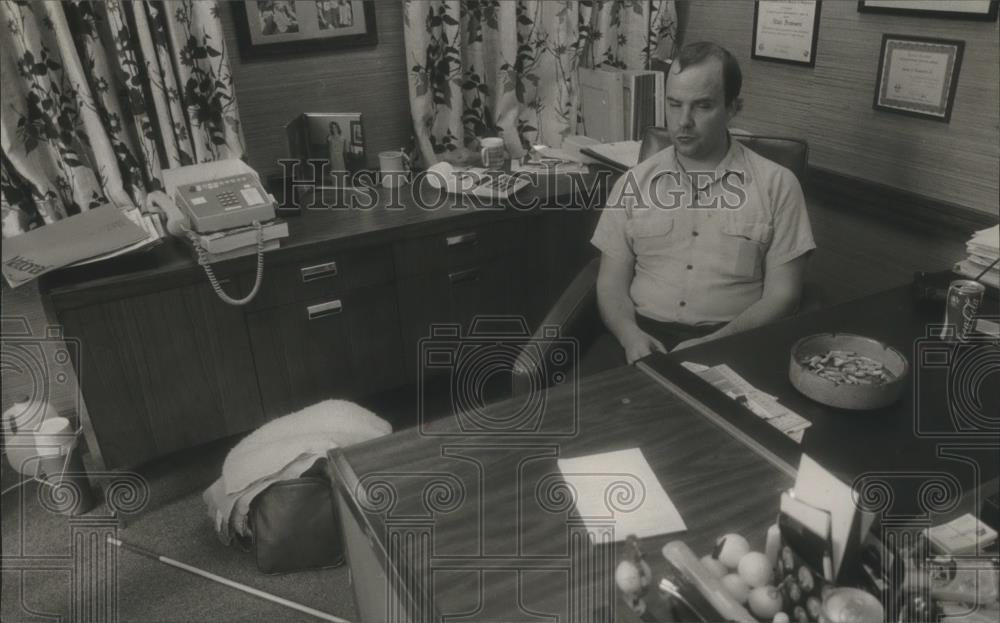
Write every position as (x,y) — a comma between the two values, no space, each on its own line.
(206,264)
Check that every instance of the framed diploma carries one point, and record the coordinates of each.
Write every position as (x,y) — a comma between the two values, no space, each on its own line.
(918,76)
(785,31)
(983,10)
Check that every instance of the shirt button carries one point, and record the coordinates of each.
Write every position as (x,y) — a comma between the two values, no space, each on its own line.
(689,267)
(683,303)
(694,233)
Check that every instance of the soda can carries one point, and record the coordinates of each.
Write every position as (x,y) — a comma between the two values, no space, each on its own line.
(961,308)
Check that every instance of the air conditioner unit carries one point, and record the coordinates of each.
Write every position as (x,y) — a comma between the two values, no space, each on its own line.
(619,104)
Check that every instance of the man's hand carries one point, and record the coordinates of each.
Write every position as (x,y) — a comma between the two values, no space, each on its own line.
(637,344)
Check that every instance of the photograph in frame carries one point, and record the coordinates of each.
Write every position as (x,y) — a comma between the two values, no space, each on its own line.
(267,28)
(335,140)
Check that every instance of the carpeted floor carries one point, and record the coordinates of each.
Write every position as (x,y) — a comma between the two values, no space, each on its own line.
(37,577)
(174,524)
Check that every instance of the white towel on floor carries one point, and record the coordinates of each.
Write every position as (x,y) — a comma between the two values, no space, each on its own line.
(281,450)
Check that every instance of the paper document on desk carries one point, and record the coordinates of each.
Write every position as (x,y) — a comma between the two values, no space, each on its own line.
(86,235)
(474,181)
(619,490)
(762,404)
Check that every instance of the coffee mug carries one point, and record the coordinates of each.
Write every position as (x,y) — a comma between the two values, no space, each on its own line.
(392,167)
(492,153)
(52,437)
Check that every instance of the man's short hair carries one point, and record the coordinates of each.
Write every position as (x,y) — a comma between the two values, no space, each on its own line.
(732,77)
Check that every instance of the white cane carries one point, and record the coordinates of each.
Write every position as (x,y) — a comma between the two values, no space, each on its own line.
(225,581)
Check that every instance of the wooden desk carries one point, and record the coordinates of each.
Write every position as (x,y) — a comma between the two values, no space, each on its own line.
(451,522)
(936,416)
(440,522)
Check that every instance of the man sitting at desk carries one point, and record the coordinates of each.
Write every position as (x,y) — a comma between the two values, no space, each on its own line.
(705,238)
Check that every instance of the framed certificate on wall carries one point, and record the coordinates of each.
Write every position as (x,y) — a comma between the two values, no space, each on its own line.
(786,31)
(982,10)
(918,76)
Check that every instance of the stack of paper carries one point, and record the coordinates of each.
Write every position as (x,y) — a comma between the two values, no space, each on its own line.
(983,249)
(763,405)
(964,535)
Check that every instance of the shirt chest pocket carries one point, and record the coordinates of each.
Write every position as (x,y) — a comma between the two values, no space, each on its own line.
(649,237)
(744,246)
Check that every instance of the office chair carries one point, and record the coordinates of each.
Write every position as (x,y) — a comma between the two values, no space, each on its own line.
(576,312)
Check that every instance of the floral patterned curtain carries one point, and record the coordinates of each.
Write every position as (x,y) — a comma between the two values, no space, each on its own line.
(509,68)
(100,97)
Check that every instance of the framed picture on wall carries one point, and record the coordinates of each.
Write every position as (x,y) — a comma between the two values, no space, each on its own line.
(786,31)
(918,76)
(984,10)
(268,28)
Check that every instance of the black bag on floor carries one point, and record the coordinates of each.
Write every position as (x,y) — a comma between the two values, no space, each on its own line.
(294,524)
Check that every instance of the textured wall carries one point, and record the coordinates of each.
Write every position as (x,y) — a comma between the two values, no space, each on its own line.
(831,104)
(369,80)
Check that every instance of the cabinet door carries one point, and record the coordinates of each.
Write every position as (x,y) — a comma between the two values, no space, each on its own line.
(164,371)
(341,347)
(455,296)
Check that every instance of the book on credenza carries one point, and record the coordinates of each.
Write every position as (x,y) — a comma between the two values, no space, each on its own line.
(229,239)
(250,249)
(619,104)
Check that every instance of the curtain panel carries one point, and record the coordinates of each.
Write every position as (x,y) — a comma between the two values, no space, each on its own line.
(100,97)
(509,67)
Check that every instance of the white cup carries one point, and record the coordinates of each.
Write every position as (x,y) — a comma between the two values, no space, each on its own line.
(53,436)
(393,170)
(492,152)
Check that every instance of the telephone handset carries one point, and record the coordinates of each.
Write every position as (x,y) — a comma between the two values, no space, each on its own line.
(211,197)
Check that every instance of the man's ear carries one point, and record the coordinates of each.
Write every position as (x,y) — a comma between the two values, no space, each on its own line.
(734,107)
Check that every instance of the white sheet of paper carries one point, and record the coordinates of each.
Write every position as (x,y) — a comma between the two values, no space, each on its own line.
(815,485)
(620,489)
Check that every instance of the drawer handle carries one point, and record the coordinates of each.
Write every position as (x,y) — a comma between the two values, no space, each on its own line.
(462,276)
(468,238)
(322,310)
(319,271)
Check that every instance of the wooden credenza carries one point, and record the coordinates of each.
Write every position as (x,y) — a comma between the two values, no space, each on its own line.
(165,365)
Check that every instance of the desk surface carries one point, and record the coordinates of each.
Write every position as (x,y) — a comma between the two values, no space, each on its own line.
(937,410)
(498,546)
(720,482)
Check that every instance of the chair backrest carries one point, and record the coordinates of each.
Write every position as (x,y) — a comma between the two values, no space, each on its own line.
(791,153)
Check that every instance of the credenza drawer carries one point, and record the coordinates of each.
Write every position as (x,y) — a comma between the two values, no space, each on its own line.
(340,346)
(321,275)
(456,248)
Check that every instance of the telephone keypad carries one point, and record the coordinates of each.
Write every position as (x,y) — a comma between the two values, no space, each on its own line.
(228,199)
